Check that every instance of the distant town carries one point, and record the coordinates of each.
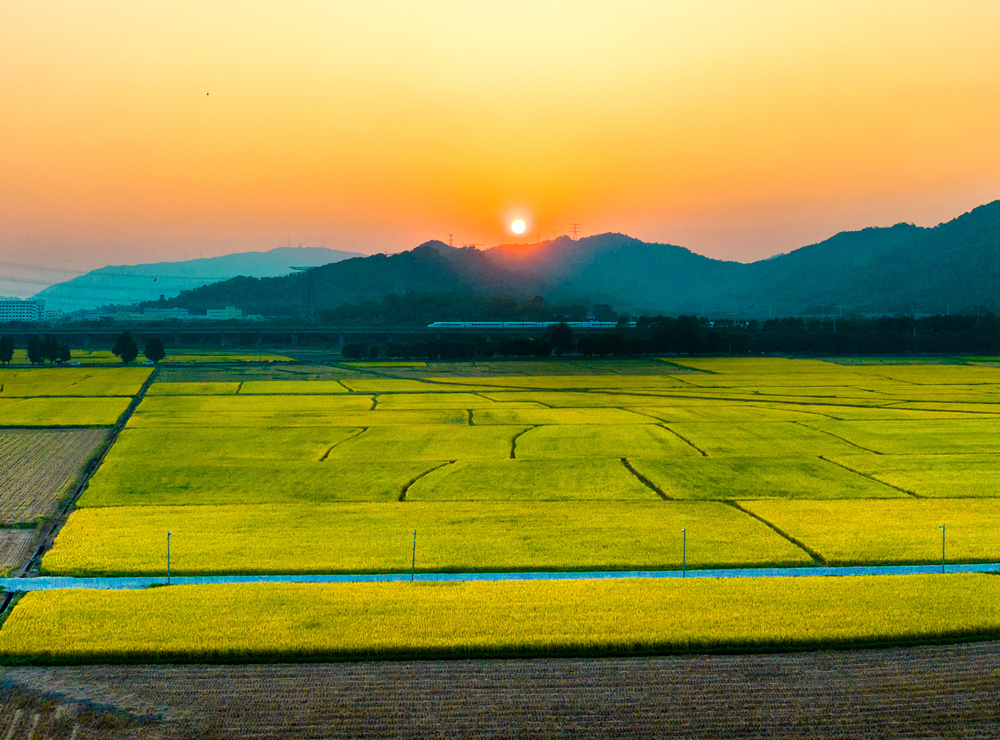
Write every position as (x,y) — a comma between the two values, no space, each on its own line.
(34,311)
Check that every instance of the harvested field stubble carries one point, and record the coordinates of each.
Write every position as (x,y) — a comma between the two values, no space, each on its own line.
(37,466)
(279,622)
(934,691)
(16,547)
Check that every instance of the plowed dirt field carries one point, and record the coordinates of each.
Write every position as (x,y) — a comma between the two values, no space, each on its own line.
(927,692)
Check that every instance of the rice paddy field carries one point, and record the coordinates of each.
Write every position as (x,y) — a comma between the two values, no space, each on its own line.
(287,622)
(560,466)
(834,457)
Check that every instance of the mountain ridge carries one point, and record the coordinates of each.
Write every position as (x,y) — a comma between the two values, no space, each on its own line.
(952,267)
(129,284)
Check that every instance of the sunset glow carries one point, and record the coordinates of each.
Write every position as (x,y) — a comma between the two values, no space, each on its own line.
(163,130)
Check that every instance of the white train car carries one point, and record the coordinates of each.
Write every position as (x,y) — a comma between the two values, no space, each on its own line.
(523,324)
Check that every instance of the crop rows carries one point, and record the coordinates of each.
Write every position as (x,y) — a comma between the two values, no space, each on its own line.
(38,466)
(936,691)
(16,547)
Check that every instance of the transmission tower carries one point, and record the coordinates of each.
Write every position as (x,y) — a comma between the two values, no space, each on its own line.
(575,228)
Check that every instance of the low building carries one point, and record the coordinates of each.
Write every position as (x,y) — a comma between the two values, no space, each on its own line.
(22,310)
(222,314)
(165,314)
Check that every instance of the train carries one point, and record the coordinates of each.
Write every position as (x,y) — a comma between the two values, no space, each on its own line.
(523,324)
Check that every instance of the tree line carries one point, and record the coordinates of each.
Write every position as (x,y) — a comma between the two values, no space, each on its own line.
(47,348)
(692,335)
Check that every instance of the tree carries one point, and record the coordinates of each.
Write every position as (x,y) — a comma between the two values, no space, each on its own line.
(6,349)
(64,353)
(559,337)
(36,350)
(50,348)
(125,347)
(154,350)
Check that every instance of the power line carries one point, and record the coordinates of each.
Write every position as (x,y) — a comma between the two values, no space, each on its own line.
(40,268)
(575,228)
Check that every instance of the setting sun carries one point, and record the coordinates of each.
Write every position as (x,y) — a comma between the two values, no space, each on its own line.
(517,226)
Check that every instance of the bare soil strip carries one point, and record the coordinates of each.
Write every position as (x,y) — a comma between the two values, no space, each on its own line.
(929,692)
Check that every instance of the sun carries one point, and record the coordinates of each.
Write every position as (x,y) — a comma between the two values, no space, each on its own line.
(517,226)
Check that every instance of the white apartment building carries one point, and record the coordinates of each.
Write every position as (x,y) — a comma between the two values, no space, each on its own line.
(22,311)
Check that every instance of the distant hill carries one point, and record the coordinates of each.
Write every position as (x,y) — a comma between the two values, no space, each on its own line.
(904,268)
(129,284)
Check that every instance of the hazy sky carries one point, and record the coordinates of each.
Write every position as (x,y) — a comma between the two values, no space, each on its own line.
(146,131)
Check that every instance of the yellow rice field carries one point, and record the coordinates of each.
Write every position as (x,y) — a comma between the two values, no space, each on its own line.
(287,622)
(890,532)
(377,537)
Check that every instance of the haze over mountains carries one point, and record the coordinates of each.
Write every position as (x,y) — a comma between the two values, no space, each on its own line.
(129,284)
(953,267)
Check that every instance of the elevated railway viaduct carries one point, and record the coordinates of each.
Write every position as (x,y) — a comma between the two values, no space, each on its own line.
(229,335)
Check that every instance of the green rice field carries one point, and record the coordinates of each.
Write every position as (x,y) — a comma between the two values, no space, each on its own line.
(580,471)
(756,462)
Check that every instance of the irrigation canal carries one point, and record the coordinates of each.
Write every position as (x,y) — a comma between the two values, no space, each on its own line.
(46,583)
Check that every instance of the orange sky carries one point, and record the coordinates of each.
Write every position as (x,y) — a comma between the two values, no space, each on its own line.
(146,131)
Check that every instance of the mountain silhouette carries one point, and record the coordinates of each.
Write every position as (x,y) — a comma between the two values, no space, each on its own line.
(129,284)
(903,268)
